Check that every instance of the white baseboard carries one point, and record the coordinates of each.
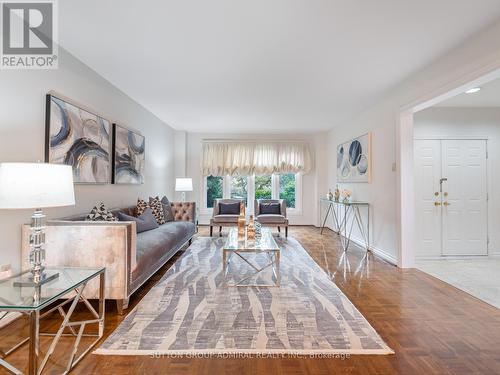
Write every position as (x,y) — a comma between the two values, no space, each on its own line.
(457,257)
(389,258)
(9,318)
(381,253)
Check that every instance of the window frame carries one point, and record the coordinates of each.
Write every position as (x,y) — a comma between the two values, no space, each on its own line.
(275,188)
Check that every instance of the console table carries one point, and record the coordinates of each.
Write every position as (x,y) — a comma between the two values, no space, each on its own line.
(344,215)
(70,285)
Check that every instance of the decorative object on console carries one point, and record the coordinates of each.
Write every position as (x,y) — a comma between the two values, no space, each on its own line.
(346,195)
(128,157)
(157,208)
(36,186)
(336,196)
(329,196)
(101,213)
(241,221)
(76,137)
(354,160)
(183,185)
(144,222)
(167,209)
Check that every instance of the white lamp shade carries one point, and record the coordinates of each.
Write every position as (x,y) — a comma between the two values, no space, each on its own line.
(183,184)
(35,185)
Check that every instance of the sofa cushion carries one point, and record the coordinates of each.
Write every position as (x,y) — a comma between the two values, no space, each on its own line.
(167,209)
(269,209)
(153,244)
(229,208)
(271,219)
(144,222)
(228,219)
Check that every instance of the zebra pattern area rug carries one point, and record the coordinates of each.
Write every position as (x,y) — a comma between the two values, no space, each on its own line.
(191,311)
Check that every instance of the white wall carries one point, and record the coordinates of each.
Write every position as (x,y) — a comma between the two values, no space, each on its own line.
(474,122)
(311,182)
(22,124)
(468,62)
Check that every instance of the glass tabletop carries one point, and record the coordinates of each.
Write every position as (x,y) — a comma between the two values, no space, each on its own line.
(350,203)
(264,242)
(15,297)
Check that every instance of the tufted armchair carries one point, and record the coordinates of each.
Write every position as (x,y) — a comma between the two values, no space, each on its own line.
(275,219)
(223,220)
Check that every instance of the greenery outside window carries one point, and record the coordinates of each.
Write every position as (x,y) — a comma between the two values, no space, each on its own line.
(287,186)
(215,189)
(239,188)
(263,187)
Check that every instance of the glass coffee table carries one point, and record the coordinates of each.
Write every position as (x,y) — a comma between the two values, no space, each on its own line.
(241,249)
(65,290)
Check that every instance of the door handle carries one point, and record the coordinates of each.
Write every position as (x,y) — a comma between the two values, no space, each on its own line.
(446,204)
(437,204)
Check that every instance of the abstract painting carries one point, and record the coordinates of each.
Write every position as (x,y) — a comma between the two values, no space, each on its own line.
(354,160)
(129,156)
(77,137)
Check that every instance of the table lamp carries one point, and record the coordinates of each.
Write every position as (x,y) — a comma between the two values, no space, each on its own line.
(36,186)
(183,185)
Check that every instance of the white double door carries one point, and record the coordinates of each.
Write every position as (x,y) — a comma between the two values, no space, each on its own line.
(451,194)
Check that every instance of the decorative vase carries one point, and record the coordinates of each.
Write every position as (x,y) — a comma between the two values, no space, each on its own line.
(241,221)
(336,196)
(329,196)
(251,228)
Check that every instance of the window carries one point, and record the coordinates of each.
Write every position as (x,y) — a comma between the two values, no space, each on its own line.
(287,189)
(263,187)
(285,186)
(214,189)
(239,188)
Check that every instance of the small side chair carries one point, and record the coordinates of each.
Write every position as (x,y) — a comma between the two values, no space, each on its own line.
(271,213)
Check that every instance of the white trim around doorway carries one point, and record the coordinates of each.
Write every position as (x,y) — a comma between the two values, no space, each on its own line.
(404,152)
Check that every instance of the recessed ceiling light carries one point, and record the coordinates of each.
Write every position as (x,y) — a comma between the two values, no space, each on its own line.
(473,90)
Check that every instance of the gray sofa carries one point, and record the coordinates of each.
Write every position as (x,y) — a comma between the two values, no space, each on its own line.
(130,258)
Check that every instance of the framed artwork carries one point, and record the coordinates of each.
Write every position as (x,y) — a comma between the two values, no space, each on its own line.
(129,156)
(354,160)
(77,137)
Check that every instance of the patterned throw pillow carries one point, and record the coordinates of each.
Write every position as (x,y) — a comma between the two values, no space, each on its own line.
(141,207)
(101,213)
(167,209)
(157,208)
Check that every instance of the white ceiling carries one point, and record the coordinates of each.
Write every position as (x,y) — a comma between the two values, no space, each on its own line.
(489,96)
(263,65)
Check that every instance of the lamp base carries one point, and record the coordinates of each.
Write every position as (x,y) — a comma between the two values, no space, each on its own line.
(28,281)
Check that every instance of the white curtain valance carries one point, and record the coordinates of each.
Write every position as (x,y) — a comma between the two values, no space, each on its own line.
(234,158)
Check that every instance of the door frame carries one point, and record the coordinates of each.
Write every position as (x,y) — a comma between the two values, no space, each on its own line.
(488,184)
(405,200)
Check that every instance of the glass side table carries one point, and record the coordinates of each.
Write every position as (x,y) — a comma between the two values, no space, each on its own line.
(29,300)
